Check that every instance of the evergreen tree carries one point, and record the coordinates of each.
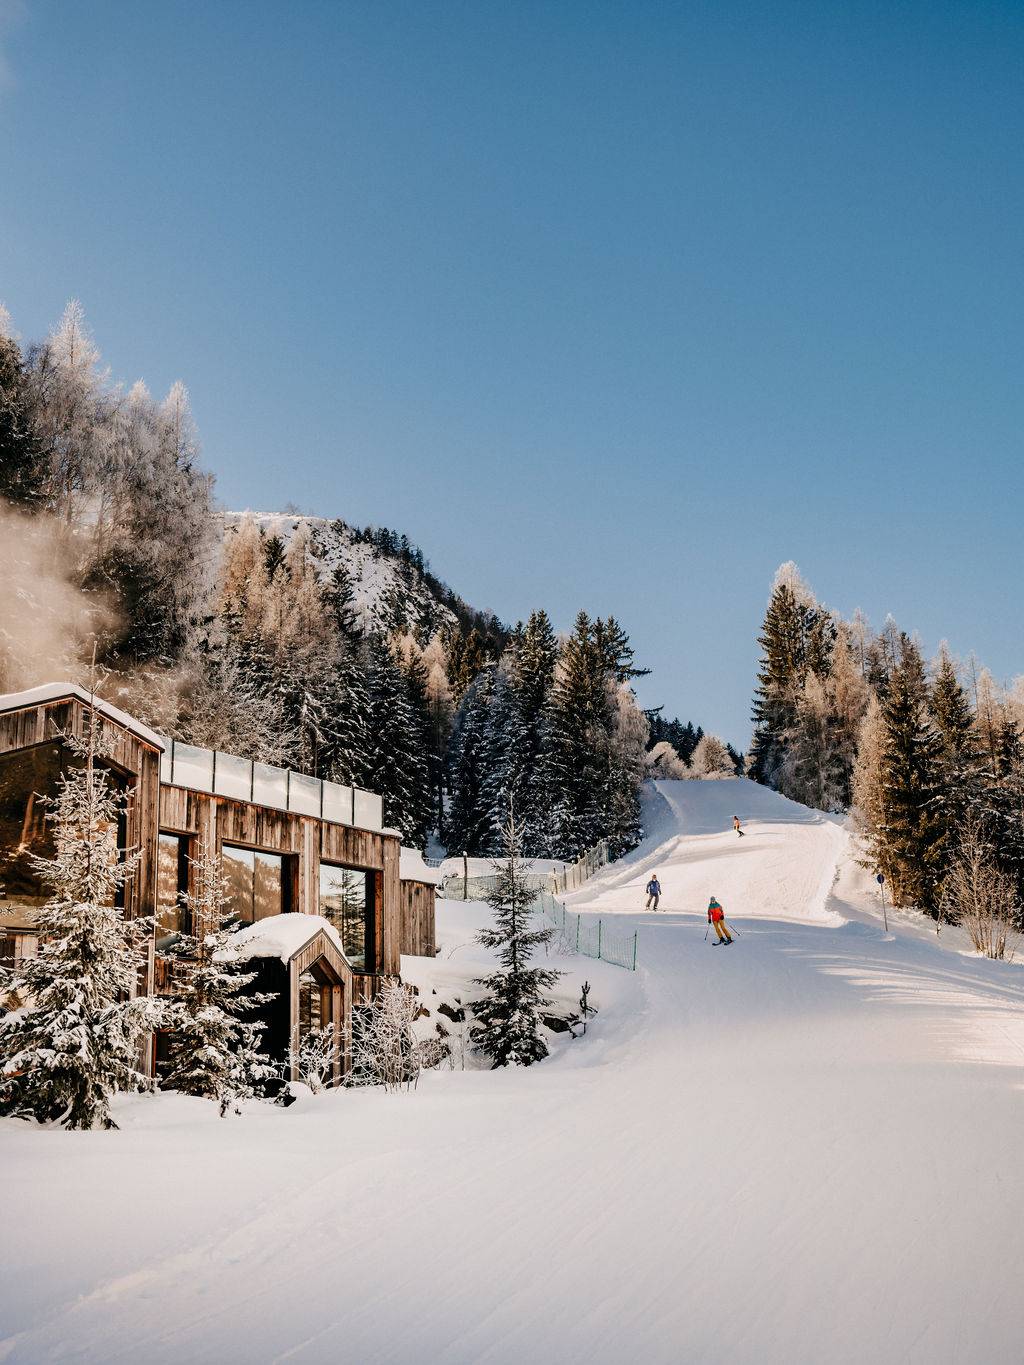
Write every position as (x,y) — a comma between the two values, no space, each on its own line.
(1003,806)
(508,1016)
(960,760)
(909,846)
(397,767)
(23,464)
(573,767)
(77,1039)
(469,823)
(779,681)
(214,1050)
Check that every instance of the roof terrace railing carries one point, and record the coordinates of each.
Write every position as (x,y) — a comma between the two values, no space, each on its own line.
(209,770)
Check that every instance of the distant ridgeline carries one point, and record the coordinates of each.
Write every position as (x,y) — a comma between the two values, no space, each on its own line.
(291,639)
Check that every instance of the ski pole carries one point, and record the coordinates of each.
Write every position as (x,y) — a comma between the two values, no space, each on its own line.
(706,932)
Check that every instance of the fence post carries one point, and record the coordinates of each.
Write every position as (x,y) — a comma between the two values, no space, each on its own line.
(634,949)
(599,938)
(577,933)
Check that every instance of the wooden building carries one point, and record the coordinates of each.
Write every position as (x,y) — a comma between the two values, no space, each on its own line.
(289,844)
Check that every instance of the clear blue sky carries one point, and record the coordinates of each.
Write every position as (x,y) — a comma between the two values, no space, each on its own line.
(606,305)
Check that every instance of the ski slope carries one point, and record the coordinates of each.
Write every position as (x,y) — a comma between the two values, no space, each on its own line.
(802,1148)
(781,868)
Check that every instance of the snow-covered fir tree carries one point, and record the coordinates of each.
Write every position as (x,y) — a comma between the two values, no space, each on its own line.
(77,1038)
(398,768)
(508,1016)
(214,1049)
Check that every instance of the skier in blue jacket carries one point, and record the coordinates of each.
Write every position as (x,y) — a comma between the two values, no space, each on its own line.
(653,892)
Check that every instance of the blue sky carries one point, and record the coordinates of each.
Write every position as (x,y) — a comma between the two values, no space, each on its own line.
(611,306)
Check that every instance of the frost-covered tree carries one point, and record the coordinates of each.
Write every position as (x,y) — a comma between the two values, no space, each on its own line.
(77,1038)
(798,637)
(214,1048)
(508,1015)
(711,758)
(469,825)
(398,767)
(384,1049)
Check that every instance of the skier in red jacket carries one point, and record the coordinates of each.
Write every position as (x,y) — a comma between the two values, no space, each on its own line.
(716,916)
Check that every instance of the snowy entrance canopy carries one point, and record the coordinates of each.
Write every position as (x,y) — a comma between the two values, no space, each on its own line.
(280,936)
(209,770)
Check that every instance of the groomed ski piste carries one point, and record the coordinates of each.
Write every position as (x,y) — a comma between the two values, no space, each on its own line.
(802,1148)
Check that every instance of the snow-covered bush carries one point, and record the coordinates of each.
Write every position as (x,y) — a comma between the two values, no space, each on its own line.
(384,1049)
(313,1062)
(78,1035)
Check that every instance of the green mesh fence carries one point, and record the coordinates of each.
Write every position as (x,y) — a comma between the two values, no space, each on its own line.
(573,933)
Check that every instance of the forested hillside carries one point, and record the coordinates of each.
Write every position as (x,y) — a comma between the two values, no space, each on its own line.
(929,755)
(292,639)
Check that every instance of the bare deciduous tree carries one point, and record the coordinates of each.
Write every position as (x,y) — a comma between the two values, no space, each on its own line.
(979,896)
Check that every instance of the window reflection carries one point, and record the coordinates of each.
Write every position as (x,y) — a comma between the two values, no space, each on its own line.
(255,882)
(171,885)
(347,900)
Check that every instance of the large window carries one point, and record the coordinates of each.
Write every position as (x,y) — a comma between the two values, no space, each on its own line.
(258,882)
(171,884)
(347,900)
(27,778)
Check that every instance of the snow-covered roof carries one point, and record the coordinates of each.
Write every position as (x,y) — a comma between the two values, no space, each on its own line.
(412,868)
(58,691)
(280,936)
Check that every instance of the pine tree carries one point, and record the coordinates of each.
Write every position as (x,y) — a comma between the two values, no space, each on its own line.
(214,1050)
(469,822)
(78,1037)
(532,662)
(798,639)
(911,833)
(23,464)
(960,760)
(397,767)
(508,1017)
(779,681)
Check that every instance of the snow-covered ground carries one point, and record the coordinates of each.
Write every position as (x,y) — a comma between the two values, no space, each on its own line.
(802,1149)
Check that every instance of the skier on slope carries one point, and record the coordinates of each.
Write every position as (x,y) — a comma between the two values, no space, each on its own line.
(653,890)
(736,825)
(716,916)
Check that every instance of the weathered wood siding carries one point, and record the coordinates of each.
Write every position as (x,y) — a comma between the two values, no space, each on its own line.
(418,919)
(217,820)
(137,760)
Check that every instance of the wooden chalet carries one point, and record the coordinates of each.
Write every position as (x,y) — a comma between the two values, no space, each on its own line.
(290,846)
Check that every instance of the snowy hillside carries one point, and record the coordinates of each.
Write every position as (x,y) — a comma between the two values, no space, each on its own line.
(388,594)
(801,1149)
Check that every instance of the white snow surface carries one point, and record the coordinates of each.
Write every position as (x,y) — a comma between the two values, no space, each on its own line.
(412,868)
(802,1149)
(278,936)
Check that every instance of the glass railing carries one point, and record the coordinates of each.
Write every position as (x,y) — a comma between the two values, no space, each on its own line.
(208,770)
